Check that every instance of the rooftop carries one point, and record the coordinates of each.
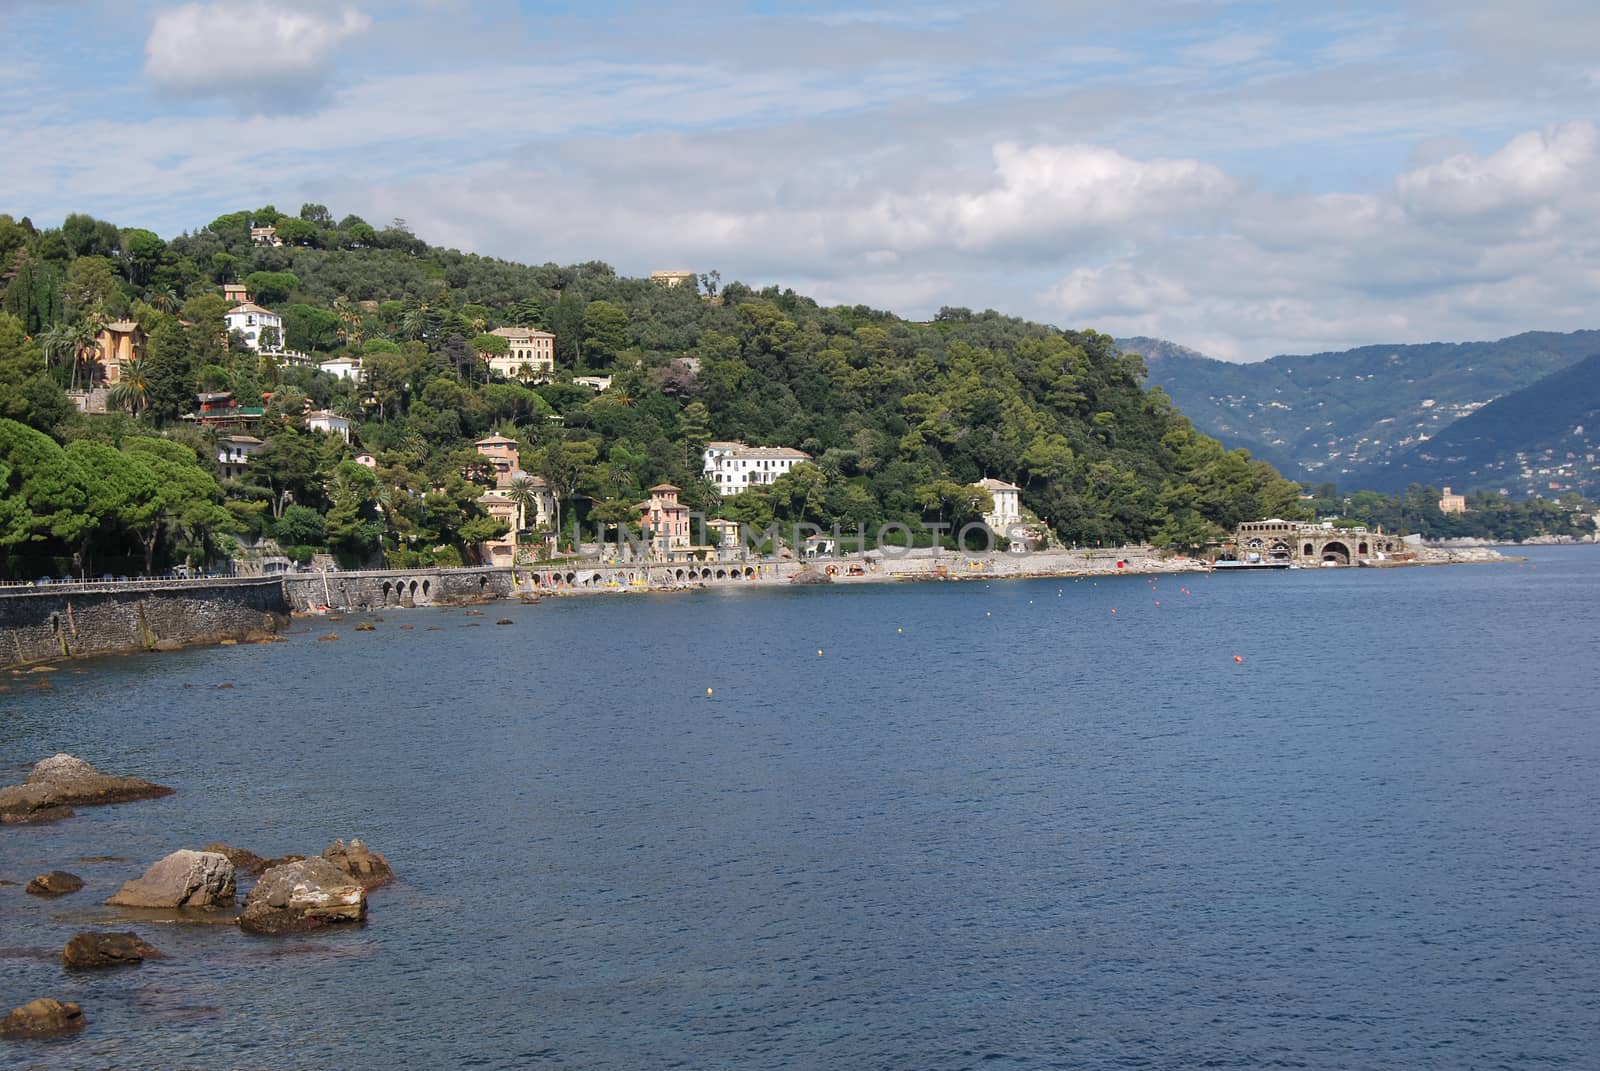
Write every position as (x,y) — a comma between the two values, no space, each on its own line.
(989,483)
(521,332)
(250,306)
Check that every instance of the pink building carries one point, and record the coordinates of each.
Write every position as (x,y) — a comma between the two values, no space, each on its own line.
(667,519)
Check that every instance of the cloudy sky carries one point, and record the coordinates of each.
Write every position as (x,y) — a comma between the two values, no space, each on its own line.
(1244,178)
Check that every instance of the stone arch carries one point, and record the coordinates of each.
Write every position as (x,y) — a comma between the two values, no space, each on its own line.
(1310,550)
(413,587)
(570,578)
(749,572)
(1361,549)
(1335,551)
(483,582)
(679,574)
(424,587)
(387,588)
(722,574)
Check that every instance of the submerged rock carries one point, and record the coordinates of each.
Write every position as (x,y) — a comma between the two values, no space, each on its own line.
(55,883)
(186,879)
(88,951)
(59,782)
(42,1018)
(357,860)
(307,895)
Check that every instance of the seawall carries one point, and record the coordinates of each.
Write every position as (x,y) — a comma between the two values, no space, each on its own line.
(80,621)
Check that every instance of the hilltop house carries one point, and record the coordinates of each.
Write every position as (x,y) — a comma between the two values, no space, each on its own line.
(234,453)
(671,279)
(1449,503)
(237,293)
(348,368)
(250,319)
(526,347)
(329,423)
(734,467)
(217,409)
(119,344)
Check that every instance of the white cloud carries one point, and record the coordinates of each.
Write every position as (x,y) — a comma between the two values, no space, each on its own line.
(264,56)
(1536,170)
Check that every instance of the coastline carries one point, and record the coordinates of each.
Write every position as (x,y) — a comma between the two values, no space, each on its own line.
(44,626)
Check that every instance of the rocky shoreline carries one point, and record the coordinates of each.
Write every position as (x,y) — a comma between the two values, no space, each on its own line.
(291,895)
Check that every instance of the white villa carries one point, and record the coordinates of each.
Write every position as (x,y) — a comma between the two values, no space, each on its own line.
(329,423)
(234,453)
(342,367)
(526,346)
(250,319)
(1007,509)
(734,467)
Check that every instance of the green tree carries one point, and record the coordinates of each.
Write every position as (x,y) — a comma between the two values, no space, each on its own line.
(605,332)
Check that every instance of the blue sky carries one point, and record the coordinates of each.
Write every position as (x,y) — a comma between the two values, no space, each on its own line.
(1244,178)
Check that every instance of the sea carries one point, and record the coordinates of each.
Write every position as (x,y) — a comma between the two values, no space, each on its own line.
(1307,819)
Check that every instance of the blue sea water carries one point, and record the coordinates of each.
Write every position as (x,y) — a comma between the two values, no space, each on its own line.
(987,825)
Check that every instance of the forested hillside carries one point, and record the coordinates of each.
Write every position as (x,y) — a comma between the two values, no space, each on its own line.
(1539,439)
(1345,416)
(899,417)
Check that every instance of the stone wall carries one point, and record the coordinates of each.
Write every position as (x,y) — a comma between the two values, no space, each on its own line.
(38,626)
(400,587)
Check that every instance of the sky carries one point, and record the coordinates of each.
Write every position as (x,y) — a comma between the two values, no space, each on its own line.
(1246,179)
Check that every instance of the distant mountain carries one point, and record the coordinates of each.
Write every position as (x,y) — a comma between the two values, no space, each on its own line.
(1542,439)
(1342,417)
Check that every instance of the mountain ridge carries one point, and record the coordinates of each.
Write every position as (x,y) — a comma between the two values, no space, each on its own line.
(1343,415)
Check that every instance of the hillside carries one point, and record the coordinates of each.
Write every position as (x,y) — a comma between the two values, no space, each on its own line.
(1343,416)
(899,418)
(1543,439)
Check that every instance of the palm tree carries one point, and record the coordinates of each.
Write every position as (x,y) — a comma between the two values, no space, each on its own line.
(416,320)
(85,335)
(57,343)
(165,300)
(525,496)
(132,391)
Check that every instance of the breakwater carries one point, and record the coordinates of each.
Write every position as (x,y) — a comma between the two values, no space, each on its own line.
(81,620)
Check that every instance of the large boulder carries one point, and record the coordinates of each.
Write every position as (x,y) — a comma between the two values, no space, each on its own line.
(186,879)
(55,883)
(92,950)
(300,896)
(41,1018)
(59,782)
(357,860)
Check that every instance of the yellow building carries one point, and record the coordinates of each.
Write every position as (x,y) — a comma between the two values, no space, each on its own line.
(119,344)
(1449,503)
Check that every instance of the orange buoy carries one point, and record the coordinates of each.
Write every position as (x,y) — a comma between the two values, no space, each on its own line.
(1238,658)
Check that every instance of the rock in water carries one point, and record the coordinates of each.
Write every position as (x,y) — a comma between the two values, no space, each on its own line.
(60,781)
(183,879)
(306,895)
(242,859)
(357,860)
(42,1018)
(91,950)
(55,883)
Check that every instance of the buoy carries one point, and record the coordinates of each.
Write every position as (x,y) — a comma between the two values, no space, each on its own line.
(1158,602)
(900,630)
(819,652)
(1238,658)
(708,691)
(986,613)
(1113,609)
